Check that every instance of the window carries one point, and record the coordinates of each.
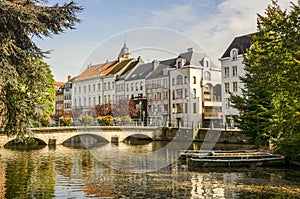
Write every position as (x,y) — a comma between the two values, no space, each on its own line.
(166,108)
(104,86)
(113,85)
(207,75)
(186,107)
(186,93)
(141,85)
(84,102)
(179,80)
(127,87)
(206,63)
(179,108)
(132,86)
(79,88)
(79,101)
(166,83)
(173,94)
(227,87)
(99,99)
(158,83)
(89,88)
(194,79)
(194,108)
(94,101)
(179,93)
(108,85)
(234,70)
(234,86)
(226,70)
(84,89)
(94,87)
(194,93)
(234,54)
(99,87)
(166,95)
(173,81)
(89,101)
(185,80)
(136,86)
(75,102)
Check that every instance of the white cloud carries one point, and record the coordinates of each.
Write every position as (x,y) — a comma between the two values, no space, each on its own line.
(233,18)
(173,15)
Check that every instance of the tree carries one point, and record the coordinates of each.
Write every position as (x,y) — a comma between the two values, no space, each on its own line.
(271,99)
(23,76)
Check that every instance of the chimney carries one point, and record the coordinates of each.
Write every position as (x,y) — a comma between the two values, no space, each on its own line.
(69,78)
(190,50)
(155,63)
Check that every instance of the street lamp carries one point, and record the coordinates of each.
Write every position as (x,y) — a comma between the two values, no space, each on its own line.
(140,103)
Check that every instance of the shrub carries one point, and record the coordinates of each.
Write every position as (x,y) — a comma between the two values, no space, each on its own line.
(45,120)
(105,120)
(66,120)
(87,120)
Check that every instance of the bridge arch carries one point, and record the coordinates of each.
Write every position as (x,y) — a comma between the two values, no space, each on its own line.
(137,137)
(85,140)
(12,140)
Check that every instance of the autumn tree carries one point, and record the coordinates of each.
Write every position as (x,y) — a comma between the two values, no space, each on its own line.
(23,76)
(271,99)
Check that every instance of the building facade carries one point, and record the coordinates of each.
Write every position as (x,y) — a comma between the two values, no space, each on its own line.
(232,69)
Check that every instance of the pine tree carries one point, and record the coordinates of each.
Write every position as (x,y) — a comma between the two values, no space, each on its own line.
(24,78)
(271,99)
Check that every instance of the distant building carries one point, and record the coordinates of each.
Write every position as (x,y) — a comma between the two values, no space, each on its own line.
(232,69)
(96,84)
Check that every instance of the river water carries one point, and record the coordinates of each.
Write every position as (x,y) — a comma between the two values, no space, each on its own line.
(66,172)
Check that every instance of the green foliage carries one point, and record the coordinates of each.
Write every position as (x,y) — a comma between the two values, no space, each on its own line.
(271,100)
(26,83)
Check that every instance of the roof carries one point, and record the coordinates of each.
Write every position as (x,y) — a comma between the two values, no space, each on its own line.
(242,43)
(141,71)
(97,70)
(119,66)
(162,65)
(195,58)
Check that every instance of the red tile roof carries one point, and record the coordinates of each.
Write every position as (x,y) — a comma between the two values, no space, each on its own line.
(97,70)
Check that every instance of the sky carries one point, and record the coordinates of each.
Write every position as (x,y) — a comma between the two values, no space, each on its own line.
(156,29)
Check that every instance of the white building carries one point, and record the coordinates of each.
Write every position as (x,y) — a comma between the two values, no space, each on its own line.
(232,69)
(158,94)
(195,91)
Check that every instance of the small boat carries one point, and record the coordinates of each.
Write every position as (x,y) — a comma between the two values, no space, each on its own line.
(186,154)
(232,159)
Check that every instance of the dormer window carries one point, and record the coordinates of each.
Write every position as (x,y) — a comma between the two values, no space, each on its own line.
(180,62)
(234,54)
(206,62)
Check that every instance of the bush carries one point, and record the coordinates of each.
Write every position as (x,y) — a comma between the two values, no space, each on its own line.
(105,120)
(45,120)
(86,120)
(66,120)
(126,120)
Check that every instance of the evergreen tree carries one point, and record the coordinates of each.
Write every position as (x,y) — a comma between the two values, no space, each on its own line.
(271,99)
(25,80)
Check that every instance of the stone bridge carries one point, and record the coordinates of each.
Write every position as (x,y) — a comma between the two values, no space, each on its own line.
(107,133)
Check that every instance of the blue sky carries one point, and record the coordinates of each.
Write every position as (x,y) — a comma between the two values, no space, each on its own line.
(209,24)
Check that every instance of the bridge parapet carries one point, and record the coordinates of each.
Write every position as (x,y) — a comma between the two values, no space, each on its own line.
(61,134)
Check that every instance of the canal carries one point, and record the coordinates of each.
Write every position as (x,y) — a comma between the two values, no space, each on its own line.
(70,172)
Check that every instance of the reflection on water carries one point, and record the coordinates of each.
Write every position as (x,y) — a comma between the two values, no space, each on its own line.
(66,172)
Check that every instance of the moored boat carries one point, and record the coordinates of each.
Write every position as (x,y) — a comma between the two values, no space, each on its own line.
(231,159)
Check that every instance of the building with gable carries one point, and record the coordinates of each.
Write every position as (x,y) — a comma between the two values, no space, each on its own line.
(232,69)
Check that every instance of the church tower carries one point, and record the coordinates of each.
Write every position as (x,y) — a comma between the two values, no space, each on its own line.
(124,53)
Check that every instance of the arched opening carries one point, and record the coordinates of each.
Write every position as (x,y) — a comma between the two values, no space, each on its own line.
(137,139)
(27,144)
(85,141)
